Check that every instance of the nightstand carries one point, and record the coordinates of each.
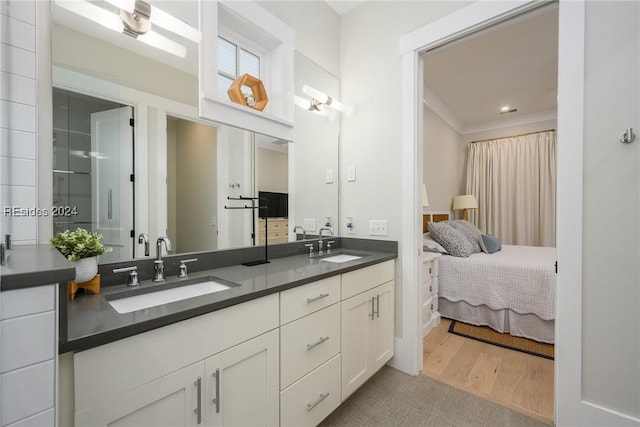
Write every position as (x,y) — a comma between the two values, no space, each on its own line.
(430,317)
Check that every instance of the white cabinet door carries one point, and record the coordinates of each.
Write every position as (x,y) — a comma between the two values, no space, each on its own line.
(242,384)
(367,335)
(381,329)
(173,400)
(356,316)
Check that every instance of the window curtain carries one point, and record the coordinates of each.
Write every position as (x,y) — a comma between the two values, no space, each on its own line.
(514,181)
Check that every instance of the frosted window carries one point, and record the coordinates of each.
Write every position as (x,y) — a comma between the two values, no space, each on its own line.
(249,63)
(234,61)
(227,57)
(223,84)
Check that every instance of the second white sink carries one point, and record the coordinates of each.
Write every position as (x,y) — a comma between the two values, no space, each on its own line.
(152,299)
(341,258)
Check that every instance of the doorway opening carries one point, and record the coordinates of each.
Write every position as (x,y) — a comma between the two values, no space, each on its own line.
(466,83)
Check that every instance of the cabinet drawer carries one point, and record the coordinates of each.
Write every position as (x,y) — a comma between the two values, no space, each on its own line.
(307,343)
(310,400)
(427,271)
(278,226)
(358,281)
(306,299)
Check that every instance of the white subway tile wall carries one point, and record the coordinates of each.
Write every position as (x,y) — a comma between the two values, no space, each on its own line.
(18,117)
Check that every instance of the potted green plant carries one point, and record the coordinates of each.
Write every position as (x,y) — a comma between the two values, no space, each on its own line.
(82,247)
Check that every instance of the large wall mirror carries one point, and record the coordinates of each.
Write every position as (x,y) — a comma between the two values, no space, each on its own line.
(131,155)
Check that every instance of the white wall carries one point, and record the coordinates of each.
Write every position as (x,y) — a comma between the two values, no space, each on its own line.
(441,161)
(370,76)
(122,66)
(18,118)
(317,28)
(196,186)
(273,168)
(611,232)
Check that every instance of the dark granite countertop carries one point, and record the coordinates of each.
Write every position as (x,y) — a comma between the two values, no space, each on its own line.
(91,321)
(34,265)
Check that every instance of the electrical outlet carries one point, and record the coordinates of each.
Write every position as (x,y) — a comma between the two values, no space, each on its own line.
(351,225)
(309,224)
(378,227)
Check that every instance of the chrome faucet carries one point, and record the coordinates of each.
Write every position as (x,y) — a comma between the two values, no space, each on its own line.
(304,232)
(330,230)
(143,238)
(158,263)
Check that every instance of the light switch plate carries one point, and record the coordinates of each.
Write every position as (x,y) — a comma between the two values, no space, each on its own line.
(329,178)
(351,173)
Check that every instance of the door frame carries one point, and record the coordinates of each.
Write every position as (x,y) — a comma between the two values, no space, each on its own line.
(569,407)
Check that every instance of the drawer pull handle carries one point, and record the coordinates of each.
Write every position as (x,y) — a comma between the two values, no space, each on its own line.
(216,399)
(322,397)
(198,410)
(319,297)
(317,343)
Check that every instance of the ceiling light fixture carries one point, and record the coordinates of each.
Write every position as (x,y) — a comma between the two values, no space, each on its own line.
(135,19)
(507,109)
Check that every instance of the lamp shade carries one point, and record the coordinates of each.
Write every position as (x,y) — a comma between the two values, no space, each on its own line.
(425,198)
(466,201)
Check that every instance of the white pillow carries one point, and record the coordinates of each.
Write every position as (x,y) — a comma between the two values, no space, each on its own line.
(430,245)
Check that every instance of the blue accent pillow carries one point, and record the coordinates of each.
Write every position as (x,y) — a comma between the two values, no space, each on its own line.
(489,244)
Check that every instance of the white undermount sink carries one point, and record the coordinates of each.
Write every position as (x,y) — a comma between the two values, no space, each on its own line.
(153,299)
(341,258)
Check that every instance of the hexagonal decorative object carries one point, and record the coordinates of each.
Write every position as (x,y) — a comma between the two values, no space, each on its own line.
(256,99)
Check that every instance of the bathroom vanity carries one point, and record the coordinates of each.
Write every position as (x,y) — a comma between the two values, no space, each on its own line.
(284,344)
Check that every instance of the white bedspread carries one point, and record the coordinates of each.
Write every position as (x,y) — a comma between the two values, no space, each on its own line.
(521,278)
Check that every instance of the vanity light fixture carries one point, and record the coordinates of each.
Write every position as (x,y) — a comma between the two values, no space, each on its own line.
(135,19)
(156,16)
(319,101)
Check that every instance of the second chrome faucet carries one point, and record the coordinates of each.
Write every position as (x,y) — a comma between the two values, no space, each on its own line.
(159,263)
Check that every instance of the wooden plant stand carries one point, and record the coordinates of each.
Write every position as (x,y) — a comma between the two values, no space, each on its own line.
(92,285)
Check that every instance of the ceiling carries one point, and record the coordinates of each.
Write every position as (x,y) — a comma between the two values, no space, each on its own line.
(344,6)
(512,64)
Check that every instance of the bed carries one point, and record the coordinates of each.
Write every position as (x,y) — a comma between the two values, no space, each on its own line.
(512,290)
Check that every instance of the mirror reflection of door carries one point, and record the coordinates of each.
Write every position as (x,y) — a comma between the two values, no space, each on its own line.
(91,137)
(111,182)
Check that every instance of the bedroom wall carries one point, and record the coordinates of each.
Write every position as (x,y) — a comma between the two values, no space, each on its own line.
(441,161)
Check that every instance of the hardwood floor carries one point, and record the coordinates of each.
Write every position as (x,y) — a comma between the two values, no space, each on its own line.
(516,380)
